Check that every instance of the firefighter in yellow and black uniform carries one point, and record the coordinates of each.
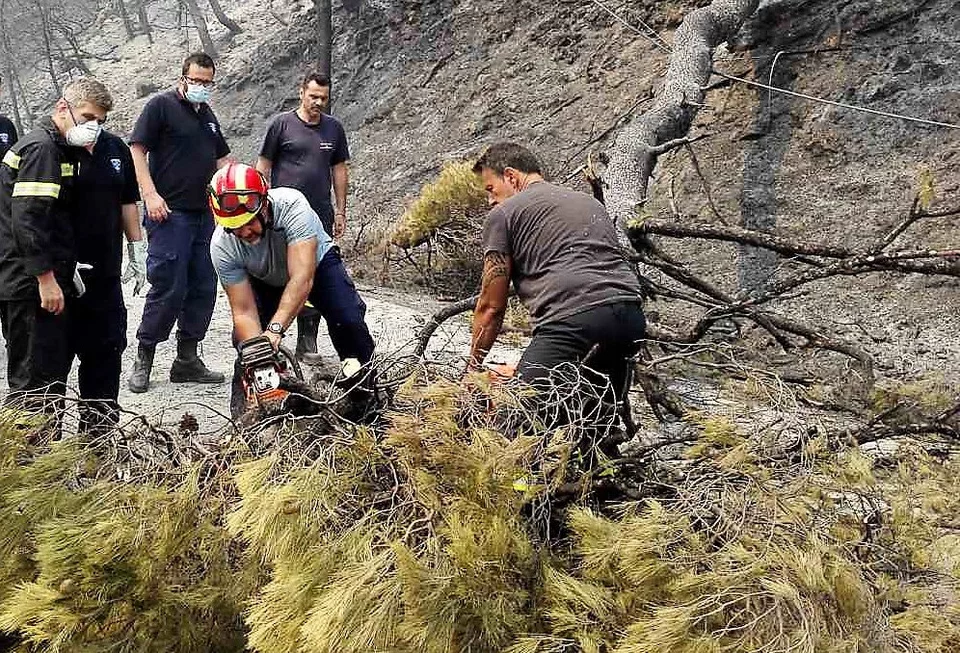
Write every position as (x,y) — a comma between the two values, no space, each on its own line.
(38,258)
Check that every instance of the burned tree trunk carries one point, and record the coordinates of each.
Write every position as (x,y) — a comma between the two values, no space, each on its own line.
(225,20)
(125,19)
(8,74)
(9,70)
(666,124)
(48,46)
(769,139)
(200,22)
(324,18)
(144,20)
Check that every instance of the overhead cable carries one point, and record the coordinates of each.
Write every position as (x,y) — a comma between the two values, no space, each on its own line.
(842,105)
(652,36)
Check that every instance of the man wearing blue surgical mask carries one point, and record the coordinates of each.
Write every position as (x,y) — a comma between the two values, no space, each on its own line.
(177,145)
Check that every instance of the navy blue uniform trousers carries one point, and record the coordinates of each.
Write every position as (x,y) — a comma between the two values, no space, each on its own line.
(336,298)
(98,336)
(183,283)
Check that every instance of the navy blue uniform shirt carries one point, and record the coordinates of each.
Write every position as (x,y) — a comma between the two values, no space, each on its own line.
(8,135)
(106,182)
(303,154)
(184,144)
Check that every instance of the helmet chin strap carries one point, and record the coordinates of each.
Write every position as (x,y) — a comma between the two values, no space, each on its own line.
(266,222)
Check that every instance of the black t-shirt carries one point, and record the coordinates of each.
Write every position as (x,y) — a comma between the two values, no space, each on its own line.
(8,135)
(303,154)
(184,144)
(105,183)
(564,249)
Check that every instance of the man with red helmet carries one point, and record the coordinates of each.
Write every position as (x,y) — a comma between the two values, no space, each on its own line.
(272,254)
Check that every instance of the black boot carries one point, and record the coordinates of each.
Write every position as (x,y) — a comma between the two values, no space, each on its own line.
(139,379)
(188,368)
(308,322)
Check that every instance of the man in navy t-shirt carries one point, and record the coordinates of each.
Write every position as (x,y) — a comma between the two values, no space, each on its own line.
(182,136)
(307,149)
(104,209)
(8,134)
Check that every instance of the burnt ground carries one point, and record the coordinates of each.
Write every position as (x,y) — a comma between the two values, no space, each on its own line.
(418,83)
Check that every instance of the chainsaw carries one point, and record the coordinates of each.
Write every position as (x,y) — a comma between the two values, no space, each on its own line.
(263,371)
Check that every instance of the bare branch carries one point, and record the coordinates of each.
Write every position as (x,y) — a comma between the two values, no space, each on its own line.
(635,153)
(738,235)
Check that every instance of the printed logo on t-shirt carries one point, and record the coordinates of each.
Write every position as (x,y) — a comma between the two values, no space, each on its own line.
(116,165)
(4,138)
(213,127)
(325,145)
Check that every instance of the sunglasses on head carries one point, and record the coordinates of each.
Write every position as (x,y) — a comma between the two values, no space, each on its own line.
(235,201)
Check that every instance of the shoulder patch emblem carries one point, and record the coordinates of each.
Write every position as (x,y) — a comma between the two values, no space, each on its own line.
(4,138)
(116,165)
(213,127)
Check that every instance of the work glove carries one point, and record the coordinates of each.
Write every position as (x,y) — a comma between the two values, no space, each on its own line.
(136,265)
(78,284)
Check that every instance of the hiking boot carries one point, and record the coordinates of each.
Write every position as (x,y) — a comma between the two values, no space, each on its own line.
(188,368)
(139,379)
(308,322)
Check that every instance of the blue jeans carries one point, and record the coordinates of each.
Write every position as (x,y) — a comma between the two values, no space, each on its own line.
(183,283)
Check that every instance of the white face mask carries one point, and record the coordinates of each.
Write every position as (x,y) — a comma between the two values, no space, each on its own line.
(197,93)
(84,134)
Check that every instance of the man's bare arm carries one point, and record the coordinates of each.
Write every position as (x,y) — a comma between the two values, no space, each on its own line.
(491,306)
(341,178)
(243,305)
(301,265)
(131,222)
(142,169)
(157,209)
(265,166)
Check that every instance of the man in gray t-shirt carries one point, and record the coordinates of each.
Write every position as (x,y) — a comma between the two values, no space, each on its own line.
(272,254)
(560,249)
(292,221)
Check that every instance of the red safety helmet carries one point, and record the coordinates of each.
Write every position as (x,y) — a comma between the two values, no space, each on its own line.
(237,192)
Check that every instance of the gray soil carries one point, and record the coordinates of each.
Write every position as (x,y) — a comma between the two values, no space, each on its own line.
(392,316)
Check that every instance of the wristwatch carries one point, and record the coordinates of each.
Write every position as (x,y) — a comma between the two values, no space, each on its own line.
(275,327)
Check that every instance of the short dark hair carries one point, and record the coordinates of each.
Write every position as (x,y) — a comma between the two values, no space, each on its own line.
(500,156)
(199,59)
(321,79)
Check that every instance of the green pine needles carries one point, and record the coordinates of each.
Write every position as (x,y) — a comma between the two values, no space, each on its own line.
(437,533)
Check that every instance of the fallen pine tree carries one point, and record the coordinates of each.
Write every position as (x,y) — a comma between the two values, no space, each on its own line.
(462,523)
(439,233)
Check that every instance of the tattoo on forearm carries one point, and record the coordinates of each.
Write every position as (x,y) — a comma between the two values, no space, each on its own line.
(495,266)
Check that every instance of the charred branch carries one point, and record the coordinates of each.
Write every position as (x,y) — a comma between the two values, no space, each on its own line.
(636,150)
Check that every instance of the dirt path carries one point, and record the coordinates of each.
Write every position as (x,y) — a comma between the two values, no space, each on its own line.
(392,317)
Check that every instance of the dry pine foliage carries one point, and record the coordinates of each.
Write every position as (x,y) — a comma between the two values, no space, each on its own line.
(448,529)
